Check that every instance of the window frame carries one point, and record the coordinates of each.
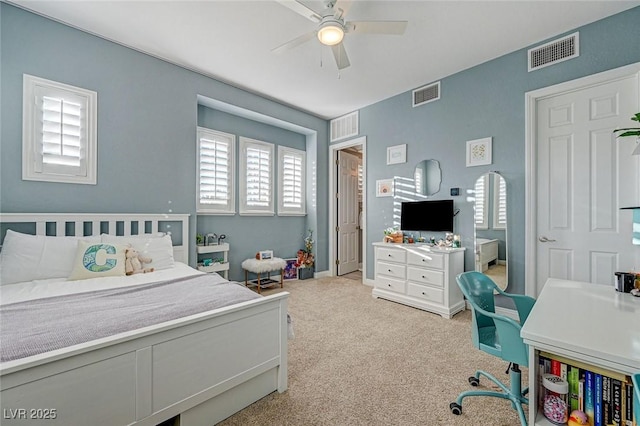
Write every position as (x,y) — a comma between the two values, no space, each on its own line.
(230,208)
(484,225)
(33,167)
(291,211)
(244,209)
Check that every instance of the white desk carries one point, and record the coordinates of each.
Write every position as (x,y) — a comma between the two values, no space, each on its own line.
(587,322)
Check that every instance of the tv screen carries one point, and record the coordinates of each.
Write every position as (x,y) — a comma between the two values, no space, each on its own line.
(436,216)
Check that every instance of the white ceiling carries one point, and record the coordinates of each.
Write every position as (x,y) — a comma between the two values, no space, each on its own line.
(232,41)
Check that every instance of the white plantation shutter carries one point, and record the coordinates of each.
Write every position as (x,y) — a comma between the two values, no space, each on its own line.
(257,177)
(499,203)
(215,172)
(59,132)
(291,173)
(480,215)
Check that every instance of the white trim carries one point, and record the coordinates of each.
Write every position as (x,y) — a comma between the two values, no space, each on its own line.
(230,210)
(333,170)
(31,142)
(289,211)
(531,99)
(243,208)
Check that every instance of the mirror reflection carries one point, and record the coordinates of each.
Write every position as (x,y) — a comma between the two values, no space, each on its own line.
(427,177)
(491,227)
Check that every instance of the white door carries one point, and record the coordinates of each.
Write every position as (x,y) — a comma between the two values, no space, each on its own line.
(347,212)
(584,176)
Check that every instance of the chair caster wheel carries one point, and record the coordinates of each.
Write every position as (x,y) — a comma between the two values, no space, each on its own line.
(455,408)
(473,381)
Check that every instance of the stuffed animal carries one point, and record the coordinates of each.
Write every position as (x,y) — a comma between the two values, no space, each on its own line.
(134,263)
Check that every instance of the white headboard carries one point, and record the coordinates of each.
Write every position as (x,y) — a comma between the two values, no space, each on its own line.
(107,223)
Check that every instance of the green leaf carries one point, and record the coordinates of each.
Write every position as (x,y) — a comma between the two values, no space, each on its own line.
(632,133)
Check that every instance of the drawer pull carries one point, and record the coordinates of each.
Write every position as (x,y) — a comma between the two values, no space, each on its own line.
(424,294)
(389,255)
(389,285)
(389,270)
(424,277)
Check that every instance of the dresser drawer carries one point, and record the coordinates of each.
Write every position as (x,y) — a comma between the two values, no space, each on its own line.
(427,293)
(391,284)
(391,254)
(431,260)
(425,276)
(393,270)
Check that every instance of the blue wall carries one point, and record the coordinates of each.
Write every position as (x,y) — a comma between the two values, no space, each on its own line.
(147,119)
(486,100)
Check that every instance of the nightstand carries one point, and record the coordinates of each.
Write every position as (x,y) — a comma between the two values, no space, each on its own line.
(221,268)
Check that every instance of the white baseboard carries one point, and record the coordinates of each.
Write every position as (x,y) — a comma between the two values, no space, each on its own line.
(367,281)
(322,274)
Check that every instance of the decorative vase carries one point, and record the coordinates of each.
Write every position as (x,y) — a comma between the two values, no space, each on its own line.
(305,273)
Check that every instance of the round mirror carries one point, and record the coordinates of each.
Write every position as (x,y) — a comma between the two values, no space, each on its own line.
(490,220)
(427,177)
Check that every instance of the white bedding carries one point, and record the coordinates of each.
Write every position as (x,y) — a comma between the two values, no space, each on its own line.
(37,289)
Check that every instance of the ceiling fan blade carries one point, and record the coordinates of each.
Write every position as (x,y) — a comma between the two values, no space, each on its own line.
(301,9)
(340,55)
(377,27)
(295,42)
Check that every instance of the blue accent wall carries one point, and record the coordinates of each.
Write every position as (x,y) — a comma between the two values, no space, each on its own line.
(487,100)
(147,119)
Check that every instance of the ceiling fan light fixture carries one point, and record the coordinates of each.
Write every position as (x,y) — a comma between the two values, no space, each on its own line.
(330,34)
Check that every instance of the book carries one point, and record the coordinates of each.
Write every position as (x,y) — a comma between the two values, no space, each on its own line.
(589,392)
(616,402)
(597,398)
(628,409)
(555,367)
(573,377)
(606,401)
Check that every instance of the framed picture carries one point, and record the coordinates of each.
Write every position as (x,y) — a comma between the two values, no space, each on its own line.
(265,254)
(397,154)
(479,152)
(290,271)
(384,188)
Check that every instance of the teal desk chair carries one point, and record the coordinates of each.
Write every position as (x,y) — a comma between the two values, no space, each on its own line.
(497,335)
(636,395)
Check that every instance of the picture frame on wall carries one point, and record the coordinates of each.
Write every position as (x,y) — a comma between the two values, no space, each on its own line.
(384,188)
(397,154)
(290,271)
(479,152)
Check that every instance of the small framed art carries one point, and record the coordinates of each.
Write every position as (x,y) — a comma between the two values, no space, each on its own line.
(384,188)
(479,152)
(265,254)
(290,271)
(397,154)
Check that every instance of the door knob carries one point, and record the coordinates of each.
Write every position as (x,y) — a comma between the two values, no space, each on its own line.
(546,240)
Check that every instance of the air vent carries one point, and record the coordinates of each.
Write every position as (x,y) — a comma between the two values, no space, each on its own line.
(426,94)
(344,127)
(554,52)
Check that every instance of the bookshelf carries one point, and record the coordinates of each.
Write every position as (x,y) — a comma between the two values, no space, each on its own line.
(221,267)
(584,324)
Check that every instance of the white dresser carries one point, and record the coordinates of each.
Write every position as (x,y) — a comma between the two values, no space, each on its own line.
(419,275)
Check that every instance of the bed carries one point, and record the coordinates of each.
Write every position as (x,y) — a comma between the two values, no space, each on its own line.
(199,368)
(486,252)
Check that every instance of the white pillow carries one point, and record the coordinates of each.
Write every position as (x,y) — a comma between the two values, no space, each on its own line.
(37,257)
(96,260)
(159,249)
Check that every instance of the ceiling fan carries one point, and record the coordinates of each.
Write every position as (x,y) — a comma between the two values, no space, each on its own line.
(332,28)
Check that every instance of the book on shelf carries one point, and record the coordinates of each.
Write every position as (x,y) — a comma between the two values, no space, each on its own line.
(605,396)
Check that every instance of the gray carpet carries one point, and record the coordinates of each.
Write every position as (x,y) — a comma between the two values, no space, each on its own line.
(356,360)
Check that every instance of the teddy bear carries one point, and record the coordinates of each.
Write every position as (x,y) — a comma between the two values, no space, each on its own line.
(134,263)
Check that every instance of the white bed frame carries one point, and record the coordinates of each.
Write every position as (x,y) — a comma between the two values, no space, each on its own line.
(201,368)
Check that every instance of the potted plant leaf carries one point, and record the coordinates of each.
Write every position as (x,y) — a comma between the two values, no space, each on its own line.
(631,132)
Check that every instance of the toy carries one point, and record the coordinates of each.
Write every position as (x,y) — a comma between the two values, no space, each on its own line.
(134,263)
(577,418)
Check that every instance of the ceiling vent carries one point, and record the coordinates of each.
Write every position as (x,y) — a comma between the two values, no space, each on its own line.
(554,52)
(426,94)
(344,127)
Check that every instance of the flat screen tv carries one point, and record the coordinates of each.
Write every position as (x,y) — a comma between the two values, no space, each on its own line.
(435,216)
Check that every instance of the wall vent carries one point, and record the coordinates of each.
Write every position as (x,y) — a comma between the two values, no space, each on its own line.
(344,127)
(554,52)
(426,94)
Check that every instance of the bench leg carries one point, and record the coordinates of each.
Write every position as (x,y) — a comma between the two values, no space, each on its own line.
(258,282)
(246,278)
(281,278)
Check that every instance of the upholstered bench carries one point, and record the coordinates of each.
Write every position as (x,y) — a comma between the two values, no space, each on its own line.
(263,266)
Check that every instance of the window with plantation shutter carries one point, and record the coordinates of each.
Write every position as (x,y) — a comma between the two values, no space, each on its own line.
(499,203)
(480,215)
(59,132)
(216,157)
(291,181)
(256,174)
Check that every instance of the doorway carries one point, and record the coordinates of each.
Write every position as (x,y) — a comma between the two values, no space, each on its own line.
(347,209)
(578,178)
